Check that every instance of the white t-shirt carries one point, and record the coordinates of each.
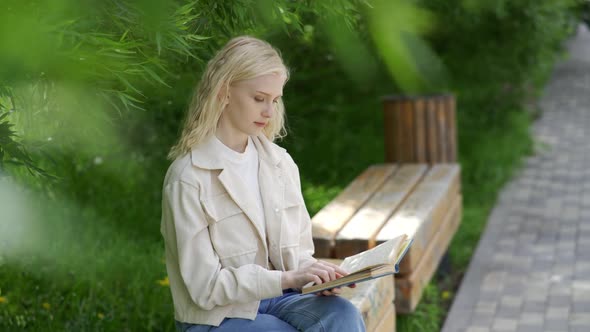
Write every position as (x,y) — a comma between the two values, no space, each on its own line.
(246,166)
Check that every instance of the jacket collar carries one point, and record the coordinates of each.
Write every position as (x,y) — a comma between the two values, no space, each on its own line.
(206,155)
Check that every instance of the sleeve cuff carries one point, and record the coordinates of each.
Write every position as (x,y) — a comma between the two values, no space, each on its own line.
(269,284)
(306,261)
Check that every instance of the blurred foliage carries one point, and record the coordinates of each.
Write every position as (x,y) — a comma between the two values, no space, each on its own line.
(498,48)
(98,89)
(396,27)
(584,11)
(14,152)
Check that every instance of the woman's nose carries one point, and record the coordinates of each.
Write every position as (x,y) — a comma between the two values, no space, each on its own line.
(268,110)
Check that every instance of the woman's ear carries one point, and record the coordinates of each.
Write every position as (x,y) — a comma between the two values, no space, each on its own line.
(223,94)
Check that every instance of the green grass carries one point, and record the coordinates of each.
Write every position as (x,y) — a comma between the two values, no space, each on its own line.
(80,275)
(91,258)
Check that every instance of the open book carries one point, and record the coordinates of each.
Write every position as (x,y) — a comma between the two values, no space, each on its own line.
(374,263)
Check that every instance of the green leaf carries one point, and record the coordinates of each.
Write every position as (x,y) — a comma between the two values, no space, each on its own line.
(3,115)
(124,35)
(194,37)
(128,84)
(118,50)
(159,42)
(155,76)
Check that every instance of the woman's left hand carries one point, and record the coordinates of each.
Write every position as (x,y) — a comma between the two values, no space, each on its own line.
(339,274)
(334,291)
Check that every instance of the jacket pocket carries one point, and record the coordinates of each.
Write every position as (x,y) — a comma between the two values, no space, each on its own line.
(232,233)
(293,214)
(221,207)
(292,198)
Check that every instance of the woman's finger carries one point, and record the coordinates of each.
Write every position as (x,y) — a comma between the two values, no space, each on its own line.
(331,271)
(332,292)
(323,274)
(336,291)
(336,268)
(313,277)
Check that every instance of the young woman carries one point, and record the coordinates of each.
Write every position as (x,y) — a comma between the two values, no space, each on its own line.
(237,233)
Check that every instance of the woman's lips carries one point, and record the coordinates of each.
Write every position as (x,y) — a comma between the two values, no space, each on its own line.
(260,124)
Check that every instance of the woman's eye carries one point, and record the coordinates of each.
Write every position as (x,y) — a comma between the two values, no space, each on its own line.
(259,99)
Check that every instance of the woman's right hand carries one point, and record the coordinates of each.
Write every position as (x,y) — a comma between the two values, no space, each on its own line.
(318,272)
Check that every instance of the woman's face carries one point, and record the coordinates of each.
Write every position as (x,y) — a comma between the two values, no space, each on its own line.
(250,106)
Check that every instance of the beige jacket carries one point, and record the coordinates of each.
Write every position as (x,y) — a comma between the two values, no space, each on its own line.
(218,246)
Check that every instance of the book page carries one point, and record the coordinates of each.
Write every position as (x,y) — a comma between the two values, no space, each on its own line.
(403,249)
(385,253)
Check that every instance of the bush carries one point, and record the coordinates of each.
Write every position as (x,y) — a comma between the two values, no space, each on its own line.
(506,47)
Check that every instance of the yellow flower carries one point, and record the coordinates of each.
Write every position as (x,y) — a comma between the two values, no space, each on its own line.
(100,315)
(164,282)
(46,305)
(3,299)
(446,295)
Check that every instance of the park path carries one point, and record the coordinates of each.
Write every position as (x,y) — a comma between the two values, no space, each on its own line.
(531,269)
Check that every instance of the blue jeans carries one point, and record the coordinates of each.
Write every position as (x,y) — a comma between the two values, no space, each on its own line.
(292,312)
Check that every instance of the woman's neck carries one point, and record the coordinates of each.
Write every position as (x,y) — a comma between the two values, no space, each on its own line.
(237,143)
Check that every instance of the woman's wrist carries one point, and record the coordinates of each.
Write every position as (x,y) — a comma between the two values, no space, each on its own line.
(286,280)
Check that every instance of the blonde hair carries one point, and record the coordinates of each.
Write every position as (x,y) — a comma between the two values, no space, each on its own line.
(242,58)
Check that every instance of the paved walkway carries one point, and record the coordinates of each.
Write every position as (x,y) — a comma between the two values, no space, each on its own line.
(531,270)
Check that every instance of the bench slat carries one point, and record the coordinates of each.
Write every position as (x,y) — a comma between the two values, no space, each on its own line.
(406,136)
(421,215)
(388,322)
(408,289)
(360,231)
(373,298)
(330,219)
(431,129)
(421,152)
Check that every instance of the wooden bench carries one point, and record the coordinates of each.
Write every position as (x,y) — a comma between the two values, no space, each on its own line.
(417,192)
(384,201)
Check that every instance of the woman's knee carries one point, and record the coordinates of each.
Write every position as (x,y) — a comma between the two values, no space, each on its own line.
(262,322)
(343,315)
(313,313)
(272,323)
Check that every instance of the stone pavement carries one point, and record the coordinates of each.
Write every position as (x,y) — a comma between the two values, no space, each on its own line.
(531,270)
